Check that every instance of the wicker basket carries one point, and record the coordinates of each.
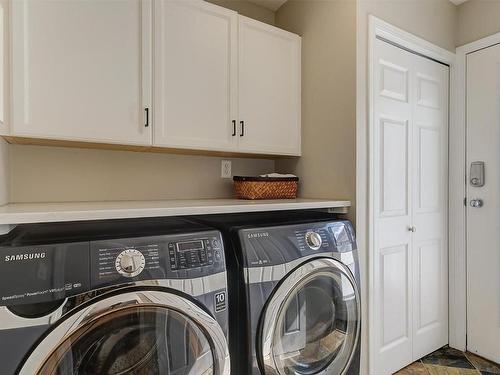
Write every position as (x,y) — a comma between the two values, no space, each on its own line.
(265,187)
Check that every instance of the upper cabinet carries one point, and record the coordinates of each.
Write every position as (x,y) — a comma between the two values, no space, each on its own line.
(269,89)
(195,75)
(178,74)
(224,82)
(81,70)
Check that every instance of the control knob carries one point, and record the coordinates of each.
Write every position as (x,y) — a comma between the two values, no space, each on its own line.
(314,240)
(130,263)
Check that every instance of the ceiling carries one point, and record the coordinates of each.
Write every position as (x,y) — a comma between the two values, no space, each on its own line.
(275,4)
(269,4)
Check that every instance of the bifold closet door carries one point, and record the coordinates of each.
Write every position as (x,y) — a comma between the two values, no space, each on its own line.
(430,205)
(408,177)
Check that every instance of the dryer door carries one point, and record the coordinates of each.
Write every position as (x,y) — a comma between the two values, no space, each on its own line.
(139,332)
(311,324)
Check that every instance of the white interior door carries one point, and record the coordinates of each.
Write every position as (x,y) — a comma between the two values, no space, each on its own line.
(483,223)
(409,183)
(81,70)
(430,205)
(392,186)
(196,73)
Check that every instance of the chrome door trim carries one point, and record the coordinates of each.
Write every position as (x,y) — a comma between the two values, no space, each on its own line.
(289,284)
(193,287)
(12,321)
(152,298)
(256,275)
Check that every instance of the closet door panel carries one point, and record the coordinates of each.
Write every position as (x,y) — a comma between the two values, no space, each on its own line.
(430,131)
(392,181)
(409,182)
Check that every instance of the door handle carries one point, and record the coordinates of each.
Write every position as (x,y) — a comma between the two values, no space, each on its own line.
(476,203)
(242,125)
(234,128)
(412,229)
(146,110)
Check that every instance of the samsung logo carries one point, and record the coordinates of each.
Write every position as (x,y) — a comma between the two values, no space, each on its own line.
(258,235)
(21,257)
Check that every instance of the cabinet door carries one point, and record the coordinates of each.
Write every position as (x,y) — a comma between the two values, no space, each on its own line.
(81,70)
(269,89)
(195,70)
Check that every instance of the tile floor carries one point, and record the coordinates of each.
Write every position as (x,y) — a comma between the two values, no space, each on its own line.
(448,361)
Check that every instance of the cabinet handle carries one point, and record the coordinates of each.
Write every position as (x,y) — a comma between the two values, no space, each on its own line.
(147,117)
(234,127)
(242,125)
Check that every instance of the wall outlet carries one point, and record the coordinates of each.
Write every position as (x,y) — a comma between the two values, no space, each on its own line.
(226,169)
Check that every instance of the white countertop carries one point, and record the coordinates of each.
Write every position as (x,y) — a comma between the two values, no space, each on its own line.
(20,213)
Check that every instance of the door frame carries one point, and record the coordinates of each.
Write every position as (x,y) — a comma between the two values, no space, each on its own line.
(378,28)
(458,232)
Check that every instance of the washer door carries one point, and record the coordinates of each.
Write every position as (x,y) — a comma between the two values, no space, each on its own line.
(311,324)
(140,332)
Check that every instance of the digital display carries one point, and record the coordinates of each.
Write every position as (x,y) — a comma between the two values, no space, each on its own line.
(191,245)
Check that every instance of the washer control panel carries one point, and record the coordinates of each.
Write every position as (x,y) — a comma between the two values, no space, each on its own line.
(172,256)
(314,240)
(127,259)
(194,253)
(130,263)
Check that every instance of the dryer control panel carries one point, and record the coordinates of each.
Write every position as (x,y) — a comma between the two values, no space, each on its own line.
(270,246)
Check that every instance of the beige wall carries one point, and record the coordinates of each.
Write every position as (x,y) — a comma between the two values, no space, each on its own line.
(4,173)
(433,20)
(328,30)
(477,19)
(52,174)
(247,9)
